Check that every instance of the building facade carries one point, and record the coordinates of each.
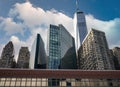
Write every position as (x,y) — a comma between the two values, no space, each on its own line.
(61,49)
(80,28)
(111,57)
(38,55)
(115,52)
(67,78)
(23,58)
(94,52)
(7,56)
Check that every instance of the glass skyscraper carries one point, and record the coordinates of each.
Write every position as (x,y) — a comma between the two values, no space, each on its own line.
(61,49)
(38,55)
(80,28)
(54,47)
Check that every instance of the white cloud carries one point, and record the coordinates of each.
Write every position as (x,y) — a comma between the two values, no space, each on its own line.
(38,20)
(111,29)
(117,44)
(17,44)
(36,17)
(1,18)
(10,26)
(28,43)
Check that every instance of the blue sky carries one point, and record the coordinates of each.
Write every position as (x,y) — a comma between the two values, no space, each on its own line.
(101,9)
(21,20)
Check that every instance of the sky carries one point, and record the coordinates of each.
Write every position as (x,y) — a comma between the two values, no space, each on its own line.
(21,20)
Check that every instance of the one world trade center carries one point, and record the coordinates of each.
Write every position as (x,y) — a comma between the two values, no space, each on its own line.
(79,27)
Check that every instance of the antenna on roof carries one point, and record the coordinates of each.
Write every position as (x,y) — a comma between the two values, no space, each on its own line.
(27,1)
(77,8)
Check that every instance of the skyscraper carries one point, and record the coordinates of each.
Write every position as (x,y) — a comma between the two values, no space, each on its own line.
(94,52)
(79,27)
(115,52)
(111,57)
(38,55)
(23,58)
(61,49)
(7,56)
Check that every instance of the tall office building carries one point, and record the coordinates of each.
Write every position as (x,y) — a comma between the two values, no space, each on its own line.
(37,55)
(23,58)
(61,48)
(94,52)
(79,27)
(115,52)
(111,57)
(7,56)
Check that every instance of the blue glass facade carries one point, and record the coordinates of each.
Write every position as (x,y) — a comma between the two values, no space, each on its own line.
(54,47)
(80,28)
(59,49)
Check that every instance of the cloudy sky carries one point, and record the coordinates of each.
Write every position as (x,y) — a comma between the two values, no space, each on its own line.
(21,20)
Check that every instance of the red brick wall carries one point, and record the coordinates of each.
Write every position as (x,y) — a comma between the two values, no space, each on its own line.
(58,73)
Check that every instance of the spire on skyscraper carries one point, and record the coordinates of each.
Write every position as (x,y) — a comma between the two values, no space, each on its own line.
(77,8)
(79,26)
(27,1)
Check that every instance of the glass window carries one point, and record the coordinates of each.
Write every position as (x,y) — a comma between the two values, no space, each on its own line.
(63,83)
(44,82)
(3,79)
(38,82)
(33,81)
(28,82)
(18,81)
(7,83)
(23,82)
(2,82)
(13,81)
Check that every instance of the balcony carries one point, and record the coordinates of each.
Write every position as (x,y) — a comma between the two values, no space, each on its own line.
(58,78)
